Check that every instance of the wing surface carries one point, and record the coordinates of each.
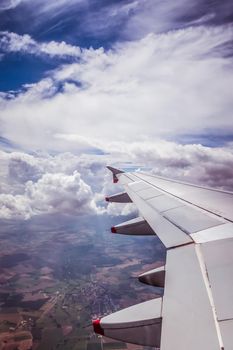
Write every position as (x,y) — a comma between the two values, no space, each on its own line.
(195,224)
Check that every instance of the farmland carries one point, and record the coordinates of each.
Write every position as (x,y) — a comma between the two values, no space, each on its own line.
(54,280)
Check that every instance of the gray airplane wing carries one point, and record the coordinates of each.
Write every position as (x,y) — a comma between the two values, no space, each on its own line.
(195,224)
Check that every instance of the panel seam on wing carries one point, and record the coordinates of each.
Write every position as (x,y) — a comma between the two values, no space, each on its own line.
(186,201)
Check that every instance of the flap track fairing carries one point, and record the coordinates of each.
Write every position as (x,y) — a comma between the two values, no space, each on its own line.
(135,227)
(122,197)
(155,277)
(138,324)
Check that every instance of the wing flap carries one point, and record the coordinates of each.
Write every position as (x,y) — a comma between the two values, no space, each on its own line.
(188,316)
(191,220)
(167,232)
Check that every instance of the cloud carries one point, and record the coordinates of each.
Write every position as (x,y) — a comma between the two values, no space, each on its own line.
(52,193)
(76,185)
(175,84)
(130,20)
(93,21)
(14,207)
(9,4)
(162,16)
(118,106)
(20,167)
(13,42)
(85,20)
(192,163)
(62,193)
(23,167)
(39,184)
(116,209)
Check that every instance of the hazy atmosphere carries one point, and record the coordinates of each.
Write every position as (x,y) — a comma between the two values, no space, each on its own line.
(140,85)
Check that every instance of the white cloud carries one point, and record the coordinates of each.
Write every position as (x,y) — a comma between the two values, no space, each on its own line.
(62,193)
(13,42)
(52,193)
(116,209)
(169,84)
(14,207)
(162,16)
(20,167)
(193,163)
(76,185)
(40,183)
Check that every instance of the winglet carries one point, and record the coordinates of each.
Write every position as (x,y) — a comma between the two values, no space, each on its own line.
(114,173)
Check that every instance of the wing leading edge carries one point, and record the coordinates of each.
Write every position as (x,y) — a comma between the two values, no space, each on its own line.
(195,225)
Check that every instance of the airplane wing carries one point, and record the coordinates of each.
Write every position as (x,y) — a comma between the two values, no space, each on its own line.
(195,224)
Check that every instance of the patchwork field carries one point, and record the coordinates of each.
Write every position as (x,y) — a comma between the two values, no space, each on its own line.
(53,283)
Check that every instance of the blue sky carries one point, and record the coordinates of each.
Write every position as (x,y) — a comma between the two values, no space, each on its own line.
(134,83)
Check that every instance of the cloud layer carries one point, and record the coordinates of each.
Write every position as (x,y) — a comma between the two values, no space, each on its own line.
(76,185)
(177,83)
(168,76)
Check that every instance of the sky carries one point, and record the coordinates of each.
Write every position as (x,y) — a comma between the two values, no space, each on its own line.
(135,84)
